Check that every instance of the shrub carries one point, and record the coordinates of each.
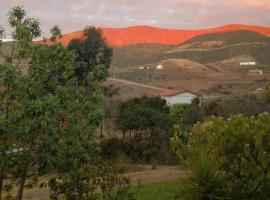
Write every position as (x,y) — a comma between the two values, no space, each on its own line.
(227,159)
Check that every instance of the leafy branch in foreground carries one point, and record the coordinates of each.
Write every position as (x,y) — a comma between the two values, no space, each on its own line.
(50,107)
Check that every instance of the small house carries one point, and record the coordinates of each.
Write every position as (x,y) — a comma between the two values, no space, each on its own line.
(179,97)
(141,67)
(160,67)
(247,63)
(255,72)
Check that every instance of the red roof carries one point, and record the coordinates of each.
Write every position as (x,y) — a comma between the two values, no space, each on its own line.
(169,93)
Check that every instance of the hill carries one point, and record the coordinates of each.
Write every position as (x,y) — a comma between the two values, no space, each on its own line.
(213,48)
(199,63)
(203,49)
(151,35)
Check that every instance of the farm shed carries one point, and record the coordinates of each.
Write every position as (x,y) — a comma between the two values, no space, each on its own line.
(179,97)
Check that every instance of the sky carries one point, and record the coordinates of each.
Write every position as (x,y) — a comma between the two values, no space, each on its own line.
(73,15)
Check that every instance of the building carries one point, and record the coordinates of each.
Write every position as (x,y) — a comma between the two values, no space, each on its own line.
(179,97)
(160,67)
(143,67)
(247,63)
(255,72)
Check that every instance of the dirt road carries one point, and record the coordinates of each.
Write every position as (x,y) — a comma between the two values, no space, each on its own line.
(137,84)
(147,175)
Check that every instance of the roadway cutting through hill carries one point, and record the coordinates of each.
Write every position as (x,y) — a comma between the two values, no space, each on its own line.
(137,84)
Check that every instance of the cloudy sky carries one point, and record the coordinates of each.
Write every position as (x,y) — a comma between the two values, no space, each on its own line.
(73,15)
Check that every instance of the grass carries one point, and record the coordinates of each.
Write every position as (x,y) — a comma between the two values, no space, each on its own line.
(156,191)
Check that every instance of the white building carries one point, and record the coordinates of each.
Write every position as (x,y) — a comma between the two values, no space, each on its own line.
(247,63)
(255,72)
(160,67)
(143,67)
(179,97)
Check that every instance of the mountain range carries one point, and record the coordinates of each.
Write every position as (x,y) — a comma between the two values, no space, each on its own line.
(135,35)
(199,60)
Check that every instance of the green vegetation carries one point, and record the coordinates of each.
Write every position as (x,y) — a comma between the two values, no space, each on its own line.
(143,117)
(247,105)
(267,96)
(49,113)
(157,191)
(51,106)
(186,115)
(227,159)
(91,52)
(146,126)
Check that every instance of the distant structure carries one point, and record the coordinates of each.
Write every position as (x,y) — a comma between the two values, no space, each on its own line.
(143,67)
(255,72)
(179,97)
(7,40)
(247,63)
(160,67)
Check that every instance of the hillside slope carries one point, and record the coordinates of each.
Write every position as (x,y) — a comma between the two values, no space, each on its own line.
(199,63)
(203,49)
(150,35)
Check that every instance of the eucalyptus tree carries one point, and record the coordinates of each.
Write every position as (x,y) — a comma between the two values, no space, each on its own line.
(47,115)
(11,81)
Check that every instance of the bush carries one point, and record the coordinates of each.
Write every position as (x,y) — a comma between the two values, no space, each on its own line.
(102,182)
(156,152)
(111,148)
(247,105)
(227,159)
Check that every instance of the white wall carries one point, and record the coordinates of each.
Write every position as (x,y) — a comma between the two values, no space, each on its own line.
(183,98)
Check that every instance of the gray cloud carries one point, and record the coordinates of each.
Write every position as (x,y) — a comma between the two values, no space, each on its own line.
(73,15)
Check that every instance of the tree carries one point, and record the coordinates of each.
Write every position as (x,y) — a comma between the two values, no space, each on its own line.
(50,106)
(149,123)
(92,51)
(110,92)
(227,159)
(267,96)
(186,115)
(11,79)
(108,107)
(144,116)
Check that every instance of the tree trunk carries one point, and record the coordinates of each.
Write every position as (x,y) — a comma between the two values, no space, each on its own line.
(19,194)
(1,184)
(101,129)
(124,134)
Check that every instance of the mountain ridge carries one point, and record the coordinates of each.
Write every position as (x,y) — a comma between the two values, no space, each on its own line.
(144,34)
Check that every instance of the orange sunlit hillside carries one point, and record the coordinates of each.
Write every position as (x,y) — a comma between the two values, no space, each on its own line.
(151,35)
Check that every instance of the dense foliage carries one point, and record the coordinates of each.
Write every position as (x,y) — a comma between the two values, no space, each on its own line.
(144,116)
(92,51)
(146,125)
(50,106)
(248,105)
(227,159)
(186,115)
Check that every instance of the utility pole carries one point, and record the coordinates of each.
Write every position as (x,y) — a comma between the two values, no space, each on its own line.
(147,75)
(113,71)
